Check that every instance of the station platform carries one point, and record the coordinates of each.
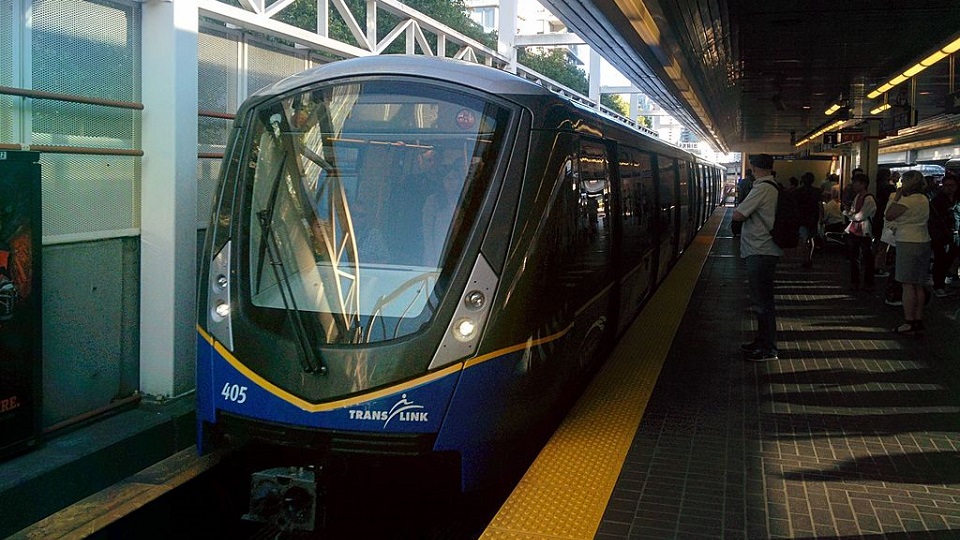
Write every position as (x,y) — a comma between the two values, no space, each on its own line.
(92,456)
(853,433)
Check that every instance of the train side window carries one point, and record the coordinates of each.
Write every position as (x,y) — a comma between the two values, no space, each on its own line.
(667,196)
(638,206)
(594,188)
(579,226)
(685,210)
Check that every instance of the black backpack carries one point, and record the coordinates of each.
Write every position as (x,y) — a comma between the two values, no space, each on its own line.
(786,225)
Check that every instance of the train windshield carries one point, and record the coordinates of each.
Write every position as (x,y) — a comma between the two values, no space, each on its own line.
(362,195)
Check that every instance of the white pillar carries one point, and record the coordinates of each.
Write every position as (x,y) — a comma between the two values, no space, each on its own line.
(168,220)
(594,78)
(507,32)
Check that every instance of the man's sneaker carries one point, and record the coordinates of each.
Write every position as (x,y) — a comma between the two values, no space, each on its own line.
(942,293)
(750,347)
(893,302)
(881,273)
(759,355)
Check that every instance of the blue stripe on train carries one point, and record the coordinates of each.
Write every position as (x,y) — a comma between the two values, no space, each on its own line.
(417,409)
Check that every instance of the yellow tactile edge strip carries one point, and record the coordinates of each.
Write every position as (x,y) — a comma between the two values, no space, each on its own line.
(566,490)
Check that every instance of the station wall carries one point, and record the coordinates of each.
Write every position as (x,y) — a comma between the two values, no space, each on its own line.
(91,176)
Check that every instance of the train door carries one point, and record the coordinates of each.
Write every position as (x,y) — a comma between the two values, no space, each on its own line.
(683,204)
(705,193)
(696,198)
(638,221)
(667,226)
(587,269)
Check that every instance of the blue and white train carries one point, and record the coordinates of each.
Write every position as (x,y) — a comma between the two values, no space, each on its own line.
(421,257)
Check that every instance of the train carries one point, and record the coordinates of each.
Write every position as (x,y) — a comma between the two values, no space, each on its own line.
(423,258)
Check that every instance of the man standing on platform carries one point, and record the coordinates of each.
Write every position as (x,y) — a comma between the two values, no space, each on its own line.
(758,212)
(743,189)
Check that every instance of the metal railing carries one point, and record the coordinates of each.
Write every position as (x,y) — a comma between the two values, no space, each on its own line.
(70,98)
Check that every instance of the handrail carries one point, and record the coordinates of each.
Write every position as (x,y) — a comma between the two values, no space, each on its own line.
(86,150)
(53,149)
(215,114)
(40,94)
(59,149)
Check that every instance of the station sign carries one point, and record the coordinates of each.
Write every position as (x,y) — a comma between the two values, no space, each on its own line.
(831,139)
(851,136)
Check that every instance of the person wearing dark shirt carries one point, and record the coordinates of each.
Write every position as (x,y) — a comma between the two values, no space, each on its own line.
(943,231)
(808,199)
(859,231)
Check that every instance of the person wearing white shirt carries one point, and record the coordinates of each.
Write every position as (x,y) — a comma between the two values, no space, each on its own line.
(908,213)
(761,253)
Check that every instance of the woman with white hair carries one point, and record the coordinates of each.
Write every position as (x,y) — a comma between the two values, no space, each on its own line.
(907,214)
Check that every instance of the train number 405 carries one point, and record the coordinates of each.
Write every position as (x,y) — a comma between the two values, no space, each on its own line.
(234,392)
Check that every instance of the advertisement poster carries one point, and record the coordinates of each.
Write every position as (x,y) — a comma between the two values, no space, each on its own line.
(20,317)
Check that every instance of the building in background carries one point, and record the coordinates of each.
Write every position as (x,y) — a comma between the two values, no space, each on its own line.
(534,19)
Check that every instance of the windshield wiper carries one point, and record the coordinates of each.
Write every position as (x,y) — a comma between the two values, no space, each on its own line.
(310,358)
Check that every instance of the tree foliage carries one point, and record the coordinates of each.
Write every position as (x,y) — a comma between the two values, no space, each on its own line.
(554,64)
(615,102)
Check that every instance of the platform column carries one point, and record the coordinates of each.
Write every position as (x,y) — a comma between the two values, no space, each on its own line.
(507,32)
(594,78)
(168,198)
(870,151)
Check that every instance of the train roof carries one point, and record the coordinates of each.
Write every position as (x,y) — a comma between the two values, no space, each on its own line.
(469,74)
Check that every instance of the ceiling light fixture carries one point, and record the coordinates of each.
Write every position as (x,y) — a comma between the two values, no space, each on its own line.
(880,109)
(832,109)
(938,55)
(821,131)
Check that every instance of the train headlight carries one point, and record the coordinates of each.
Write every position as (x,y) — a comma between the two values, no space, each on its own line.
(219,314)
(465,329)
(475,299)
(221,311)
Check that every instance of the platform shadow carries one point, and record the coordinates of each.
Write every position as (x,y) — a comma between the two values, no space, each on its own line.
(927,468)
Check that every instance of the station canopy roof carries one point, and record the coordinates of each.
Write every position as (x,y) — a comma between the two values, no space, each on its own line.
(759,75)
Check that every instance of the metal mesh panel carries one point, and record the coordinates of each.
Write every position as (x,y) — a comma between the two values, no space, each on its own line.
(87,48)
(212,133)
(208,172)
(7,103)
(218,73)
(265,67)
(87,194)
(218,76)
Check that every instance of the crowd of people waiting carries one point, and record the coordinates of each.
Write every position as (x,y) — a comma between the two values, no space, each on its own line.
(906,229)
